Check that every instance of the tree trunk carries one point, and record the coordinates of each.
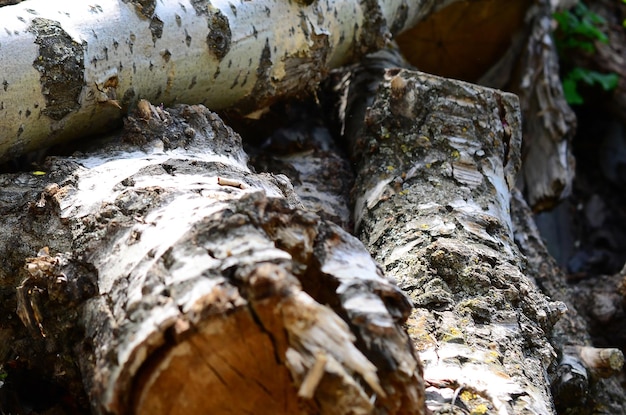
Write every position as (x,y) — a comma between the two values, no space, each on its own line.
(71,69)
(437,160)
(162,274)
(507,45)
(410,217)
(171,269)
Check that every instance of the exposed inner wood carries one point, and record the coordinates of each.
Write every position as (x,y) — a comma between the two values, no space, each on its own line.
(464,39)
(228,365)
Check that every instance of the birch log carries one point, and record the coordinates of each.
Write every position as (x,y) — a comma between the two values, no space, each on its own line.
(507,45)
(436,162)
(71,68)
(180,282)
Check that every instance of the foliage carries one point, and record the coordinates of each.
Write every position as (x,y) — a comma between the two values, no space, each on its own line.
(572,79)
(579,29)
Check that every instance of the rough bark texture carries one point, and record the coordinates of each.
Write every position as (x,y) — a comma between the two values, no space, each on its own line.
(180,272)
(160,266)
(507,45)
(436,162)
(549,123)
(70,69)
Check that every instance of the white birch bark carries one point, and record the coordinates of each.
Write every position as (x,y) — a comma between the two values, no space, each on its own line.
(436,162)
(205,283)
(69,69)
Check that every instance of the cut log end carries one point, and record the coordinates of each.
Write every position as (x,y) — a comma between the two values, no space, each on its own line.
(225,366)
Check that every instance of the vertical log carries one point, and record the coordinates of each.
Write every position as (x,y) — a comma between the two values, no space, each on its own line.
(436,162)
(549,126)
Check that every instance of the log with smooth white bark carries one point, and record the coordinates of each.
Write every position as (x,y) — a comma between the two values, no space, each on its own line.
(70,69)
(181,282)
(437,160)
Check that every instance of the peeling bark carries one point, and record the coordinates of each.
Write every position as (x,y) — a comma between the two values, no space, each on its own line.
(507,45)
(549,124)
(207,277)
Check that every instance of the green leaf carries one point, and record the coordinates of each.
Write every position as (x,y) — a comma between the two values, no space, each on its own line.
(608,81)
(571,92)
(590,30)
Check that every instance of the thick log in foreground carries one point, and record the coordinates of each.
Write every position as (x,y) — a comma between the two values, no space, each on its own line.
(437,160)
(192,285)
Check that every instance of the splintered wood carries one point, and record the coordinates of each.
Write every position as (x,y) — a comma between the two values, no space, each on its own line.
(212,283)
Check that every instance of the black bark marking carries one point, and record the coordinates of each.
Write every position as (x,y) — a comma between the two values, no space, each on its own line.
(265,63)
(236,81)
(166,55)
(95,9)
(156,28)
(400,20)
(61,67)
(145,8)
(200,6)
(375,33)
(263,86)
(219,34)
(131,41)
